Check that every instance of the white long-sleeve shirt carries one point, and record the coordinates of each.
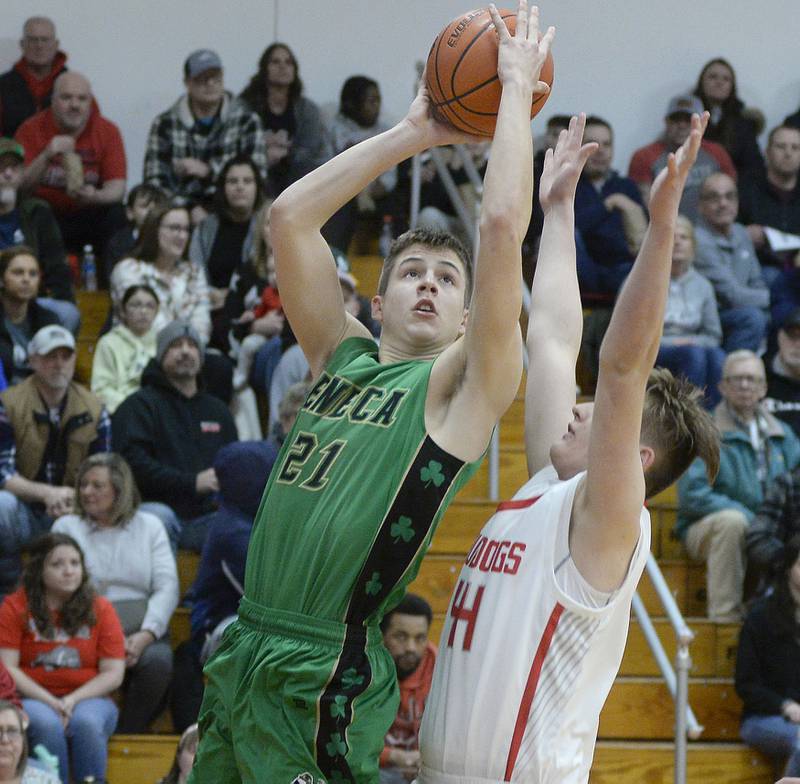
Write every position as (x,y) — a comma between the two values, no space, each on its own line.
(132,561)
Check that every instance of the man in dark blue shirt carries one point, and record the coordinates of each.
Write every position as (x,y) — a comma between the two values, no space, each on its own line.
(610,219)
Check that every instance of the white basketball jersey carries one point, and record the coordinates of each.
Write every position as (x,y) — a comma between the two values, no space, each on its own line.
(527,657)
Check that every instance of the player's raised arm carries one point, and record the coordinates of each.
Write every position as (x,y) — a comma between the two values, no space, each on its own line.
(606,515)
(556,318)
(310,293)
(484,369)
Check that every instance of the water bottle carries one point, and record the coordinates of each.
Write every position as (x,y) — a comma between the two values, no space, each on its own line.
(387,238)
(89,269)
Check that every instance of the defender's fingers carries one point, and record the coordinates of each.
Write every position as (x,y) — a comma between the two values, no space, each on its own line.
(522,19)
(499,24)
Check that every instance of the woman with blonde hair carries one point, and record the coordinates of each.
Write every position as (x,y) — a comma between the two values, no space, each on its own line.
(111,526)
(690,345)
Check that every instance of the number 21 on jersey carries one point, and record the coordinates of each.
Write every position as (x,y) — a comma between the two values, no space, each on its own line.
(306,457)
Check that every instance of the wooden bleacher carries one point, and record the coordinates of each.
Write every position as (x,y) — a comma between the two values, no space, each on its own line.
(636,723)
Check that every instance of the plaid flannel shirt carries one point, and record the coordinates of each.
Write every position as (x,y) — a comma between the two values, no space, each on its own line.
(777,520)
(236,130)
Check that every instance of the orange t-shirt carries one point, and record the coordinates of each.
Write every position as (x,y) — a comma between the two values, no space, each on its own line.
(63,663)
(99,146)
(414,690)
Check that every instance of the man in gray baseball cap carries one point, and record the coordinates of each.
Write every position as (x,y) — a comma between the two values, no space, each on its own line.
(648,161)
(48,425)
(190,142)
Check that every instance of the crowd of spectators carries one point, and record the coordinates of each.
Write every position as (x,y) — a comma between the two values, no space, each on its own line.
(196,326)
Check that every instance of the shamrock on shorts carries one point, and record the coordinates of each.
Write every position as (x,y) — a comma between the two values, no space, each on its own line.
(337,709)
(351,678)
(336,747)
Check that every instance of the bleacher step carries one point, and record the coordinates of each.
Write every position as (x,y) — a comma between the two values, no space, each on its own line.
(653,763)
(642,709)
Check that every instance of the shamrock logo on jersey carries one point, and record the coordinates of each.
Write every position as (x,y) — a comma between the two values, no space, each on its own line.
(402,529)
(373,587)
(432,473)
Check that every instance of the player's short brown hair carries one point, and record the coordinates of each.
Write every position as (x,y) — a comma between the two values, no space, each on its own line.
(435,240)
(678,428)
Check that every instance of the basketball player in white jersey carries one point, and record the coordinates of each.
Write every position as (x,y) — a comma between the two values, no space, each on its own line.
(537,625)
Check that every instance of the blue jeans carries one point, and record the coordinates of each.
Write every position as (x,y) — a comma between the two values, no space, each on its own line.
(743,328)
(702,365)
(66,312)
(86,735)
(776,737)
(19,524)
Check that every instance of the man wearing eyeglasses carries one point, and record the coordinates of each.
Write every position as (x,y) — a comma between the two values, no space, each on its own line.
(28,86)
(190,142)
(755,449)
(726,256)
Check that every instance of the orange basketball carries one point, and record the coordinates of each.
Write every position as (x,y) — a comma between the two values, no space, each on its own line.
(461,75)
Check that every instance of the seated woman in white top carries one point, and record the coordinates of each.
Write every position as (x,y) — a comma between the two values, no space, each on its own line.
(121,354)
(130,562)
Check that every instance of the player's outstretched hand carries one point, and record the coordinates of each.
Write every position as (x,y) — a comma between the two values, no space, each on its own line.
(564,164)
(667,189)
(521,56)
(433,132)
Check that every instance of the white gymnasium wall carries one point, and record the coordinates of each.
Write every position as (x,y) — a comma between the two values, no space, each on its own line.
(622,59)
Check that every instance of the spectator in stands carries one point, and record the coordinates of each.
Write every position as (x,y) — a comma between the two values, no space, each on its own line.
(190,142)
(729,124)
(286,408)
(75,160)
(726,256)
(648,161)
(14,767)
(783,374)
(48,425)
(766,667)
(295,137)
(792,120)
(290,373)
(242,470)
(65,648)
(777,521)
(160,260)
(184,757)
(609,217)
(141,199)
(690,344)
(109,526)
(405,635)
(22,314)
(358,118)
(253,314)
(755,449)
(170,430)
(28,86)
(29,221)
(122,354)
(223,242)
(771,198)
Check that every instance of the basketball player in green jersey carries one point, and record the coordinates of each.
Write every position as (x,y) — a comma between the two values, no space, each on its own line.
(302,688)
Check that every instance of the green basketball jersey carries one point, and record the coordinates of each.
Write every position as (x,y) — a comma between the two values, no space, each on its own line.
(355,495)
